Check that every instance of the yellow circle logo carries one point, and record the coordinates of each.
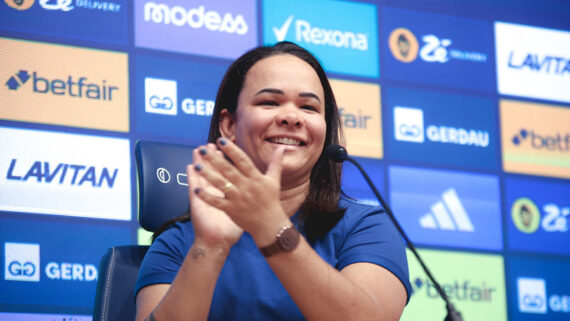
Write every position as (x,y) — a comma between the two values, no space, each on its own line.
(525,215)
(20,4)
(403,45)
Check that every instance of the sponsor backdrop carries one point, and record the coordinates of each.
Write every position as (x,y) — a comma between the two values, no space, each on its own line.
(459,111)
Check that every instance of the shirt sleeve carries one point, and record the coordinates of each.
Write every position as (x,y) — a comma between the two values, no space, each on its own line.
(165,256)
(370,236)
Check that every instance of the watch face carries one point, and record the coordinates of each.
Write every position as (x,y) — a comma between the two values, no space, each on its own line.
(289,239)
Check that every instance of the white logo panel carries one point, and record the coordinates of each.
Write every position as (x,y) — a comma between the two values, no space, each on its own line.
(65,174)
(532,295)
(448,214)
(22,262)
(409,124)
(160,96)
(533,62)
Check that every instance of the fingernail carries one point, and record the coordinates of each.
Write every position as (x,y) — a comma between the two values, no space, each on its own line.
(197,190)
(198,167)
(223,141)
(203,151)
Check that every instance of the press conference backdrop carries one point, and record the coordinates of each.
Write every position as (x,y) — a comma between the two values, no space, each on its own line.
(460,110)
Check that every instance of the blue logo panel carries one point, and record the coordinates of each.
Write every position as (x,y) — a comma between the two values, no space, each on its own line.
(455,209)
(438,49)
(538,215)
(340,33)
(443,129)
(354,184)
(101,21)
(175,99)
(40,275)
(539,289)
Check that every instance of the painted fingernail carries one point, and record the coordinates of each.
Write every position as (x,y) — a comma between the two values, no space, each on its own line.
(197,190)
(203,151)
(198,167)
(223,141)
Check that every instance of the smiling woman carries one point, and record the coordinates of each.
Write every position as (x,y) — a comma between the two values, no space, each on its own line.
(271,236)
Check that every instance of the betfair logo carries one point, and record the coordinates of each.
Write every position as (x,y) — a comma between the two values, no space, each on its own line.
(77,87)
(557,142)
(456,290)
(448,214)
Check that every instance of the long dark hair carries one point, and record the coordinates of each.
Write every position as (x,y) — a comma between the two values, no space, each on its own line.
(319,212)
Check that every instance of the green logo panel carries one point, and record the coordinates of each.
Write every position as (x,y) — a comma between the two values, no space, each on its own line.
(475,284)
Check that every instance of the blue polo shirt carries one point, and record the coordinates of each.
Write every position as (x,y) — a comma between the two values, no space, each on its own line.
(247,288)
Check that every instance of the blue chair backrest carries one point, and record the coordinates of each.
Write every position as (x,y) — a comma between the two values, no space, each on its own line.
(162,182)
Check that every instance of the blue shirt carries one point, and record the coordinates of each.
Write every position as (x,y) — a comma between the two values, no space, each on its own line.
(247,288)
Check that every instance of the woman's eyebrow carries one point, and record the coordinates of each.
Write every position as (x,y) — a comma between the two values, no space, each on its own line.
(280,92)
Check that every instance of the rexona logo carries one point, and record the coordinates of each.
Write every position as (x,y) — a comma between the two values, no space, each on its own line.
(63,174)
(315,25)
(304,32)
(195,18)
(161,97)
(477,289)
(533,297)
(409,127)
(535,138)
(536,65)
(90,91)
(23,264)
(361,121)
(197,27)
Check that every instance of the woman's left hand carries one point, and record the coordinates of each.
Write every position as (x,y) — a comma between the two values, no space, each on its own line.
(252,198)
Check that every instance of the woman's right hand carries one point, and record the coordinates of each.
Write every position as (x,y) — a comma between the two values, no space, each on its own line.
(211,225)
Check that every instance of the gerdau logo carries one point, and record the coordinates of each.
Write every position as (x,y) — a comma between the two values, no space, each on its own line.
(196,18)
(304,32)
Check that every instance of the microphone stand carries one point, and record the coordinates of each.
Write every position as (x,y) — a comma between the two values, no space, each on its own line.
(452,313)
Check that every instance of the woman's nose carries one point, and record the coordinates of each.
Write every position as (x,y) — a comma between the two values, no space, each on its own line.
(289,116)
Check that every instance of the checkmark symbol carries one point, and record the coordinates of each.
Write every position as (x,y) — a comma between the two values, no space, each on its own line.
(281,32)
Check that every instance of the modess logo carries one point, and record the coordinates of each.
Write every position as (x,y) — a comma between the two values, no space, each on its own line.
(477,289)
(409,126)
(348,45)
(448,208)
(361,121)
(437,49)
(22,263)
(197,27)
(536,65)
(90,91)
(533,297)
(63,174)
(161,97)
(196,18)
(442,128)
(535,138)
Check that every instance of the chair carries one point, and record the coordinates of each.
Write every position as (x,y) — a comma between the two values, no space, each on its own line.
(162,195)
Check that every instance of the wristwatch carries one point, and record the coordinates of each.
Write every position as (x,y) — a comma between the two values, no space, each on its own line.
(287,240)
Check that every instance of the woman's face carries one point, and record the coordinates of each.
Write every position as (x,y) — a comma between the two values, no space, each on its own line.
(282,102)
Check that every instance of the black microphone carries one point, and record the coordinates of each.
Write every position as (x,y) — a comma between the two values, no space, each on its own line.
(338,154)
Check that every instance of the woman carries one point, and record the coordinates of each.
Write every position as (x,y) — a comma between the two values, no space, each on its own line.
(262,178)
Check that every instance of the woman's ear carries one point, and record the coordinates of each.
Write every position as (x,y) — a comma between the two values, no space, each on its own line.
(227,125)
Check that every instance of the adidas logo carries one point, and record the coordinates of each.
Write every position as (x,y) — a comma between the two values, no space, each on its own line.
(447,214)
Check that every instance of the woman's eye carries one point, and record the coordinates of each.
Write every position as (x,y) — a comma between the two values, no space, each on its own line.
(269,103)
(309,107)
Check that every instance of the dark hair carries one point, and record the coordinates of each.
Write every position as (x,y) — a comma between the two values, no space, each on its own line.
(319,212)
